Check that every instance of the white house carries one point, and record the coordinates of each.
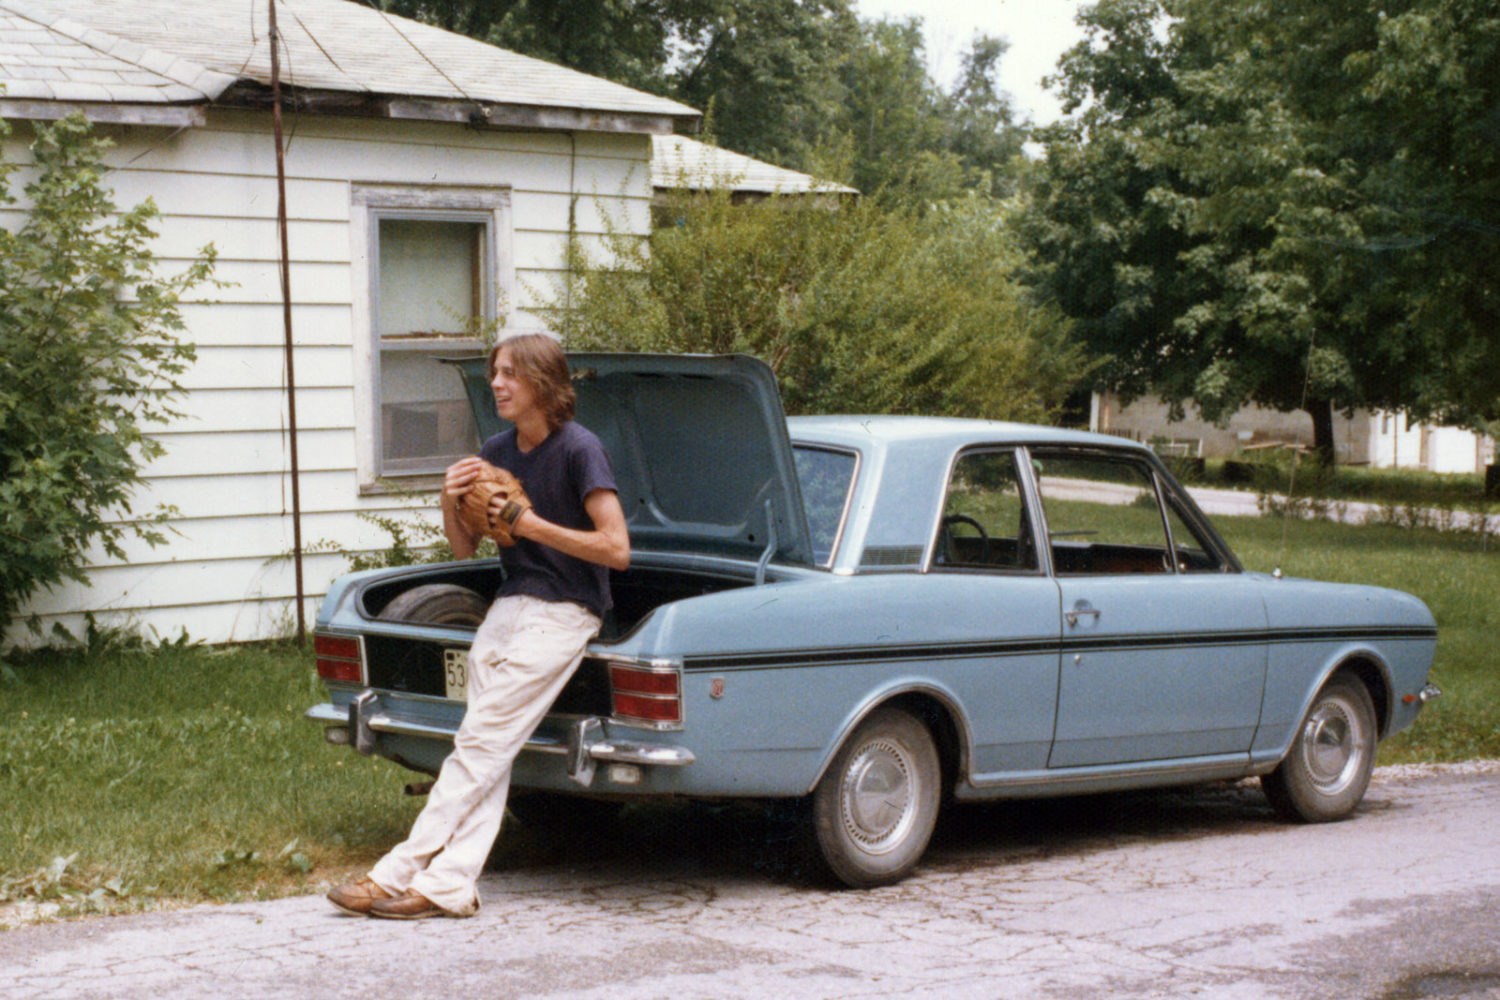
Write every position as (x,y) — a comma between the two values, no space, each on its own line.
(432,182)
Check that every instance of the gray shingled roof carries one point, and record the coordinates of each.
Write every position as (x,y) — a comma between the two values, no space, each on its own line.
(678,162)
(46,57)
(330,45)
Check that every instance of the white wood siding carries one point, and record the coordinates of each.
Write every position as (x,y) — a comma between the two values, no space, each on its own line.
(225,574)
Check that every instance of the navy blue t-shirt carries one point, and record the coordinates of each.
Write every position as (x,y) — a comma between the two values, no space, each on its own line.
(557,475)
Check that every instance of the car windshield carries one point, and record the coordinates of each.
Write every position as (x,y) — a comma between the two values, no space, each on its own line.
(826,476)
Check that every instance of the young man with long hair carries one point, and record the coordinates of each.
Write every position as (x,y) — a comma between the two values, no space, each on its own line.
(555,593)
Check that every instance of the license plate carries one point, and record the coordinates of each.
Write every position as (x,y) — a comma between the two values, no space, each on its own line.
(456,673)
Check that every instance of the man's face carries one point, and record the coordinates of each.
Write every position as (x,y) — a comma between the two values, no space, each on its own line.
(514,396)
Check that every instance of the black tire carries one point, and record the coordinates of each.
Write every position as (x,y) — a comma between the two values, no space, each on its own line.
(1325,774)
(874,811)
(437,604)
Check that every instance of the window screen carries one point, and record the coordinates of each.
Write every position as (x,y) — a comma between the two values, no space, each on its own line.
(430,296)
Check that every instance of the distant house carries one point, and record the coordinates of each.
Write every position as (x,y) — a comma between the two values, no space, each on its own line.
(432,182)
(1369,437)
(682,164)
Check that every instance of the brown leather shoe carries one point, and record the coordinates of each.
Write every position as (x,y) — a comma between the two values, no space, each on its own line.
(356,898)
(407,906)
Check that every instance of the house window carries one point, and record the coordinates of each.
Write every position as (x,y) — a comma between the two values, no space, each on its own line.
(431,304)
(437,266)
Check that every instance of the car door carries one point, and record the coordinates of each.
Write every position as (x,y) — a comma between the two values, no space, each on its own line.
(1163,641)
(986,559)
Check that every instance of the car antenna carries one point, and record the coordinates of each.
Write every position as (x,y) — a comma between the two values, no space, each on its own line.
(1291,484)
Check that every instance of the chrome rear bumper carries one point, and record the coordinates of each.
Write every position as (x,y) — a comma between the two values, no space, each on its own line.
(585,745)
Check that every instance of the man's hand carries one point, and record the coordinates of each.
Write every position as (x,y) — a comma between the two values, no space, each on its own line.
(456,481)
(491,504)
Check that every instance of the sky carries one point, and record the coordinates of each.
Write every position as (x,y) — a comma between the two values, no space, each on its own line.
(1038,32)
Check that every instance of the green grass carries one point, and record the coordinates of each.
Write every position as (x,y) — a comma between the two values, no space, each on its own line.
(1457,574)
(184,773)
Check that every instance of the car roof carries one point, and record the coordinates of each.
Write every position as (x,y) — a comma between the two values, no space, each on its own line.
(858,429)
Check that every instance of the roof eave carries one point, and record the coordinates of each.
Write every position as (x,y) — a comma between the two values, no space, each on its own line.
(110,112)
(474,113)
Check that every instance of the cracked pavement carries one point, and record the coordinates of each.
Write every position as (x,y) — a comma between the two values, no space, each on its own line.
(1156,894)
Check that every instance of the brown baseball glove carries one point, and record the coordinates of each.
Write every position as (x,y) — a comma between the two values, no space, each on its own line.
(492,504)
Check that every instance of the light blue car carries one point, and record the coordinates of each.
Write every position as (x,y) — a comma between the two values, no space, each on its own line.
(878,614)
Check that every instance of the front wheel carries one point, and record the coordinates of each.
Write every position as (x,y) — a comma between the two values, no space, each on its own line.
(1325,775)
(874,811)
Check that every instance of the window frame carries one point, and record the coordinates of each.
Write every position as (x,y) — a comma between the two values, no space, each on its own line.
(1167,490)
(372,203)
(1030,502)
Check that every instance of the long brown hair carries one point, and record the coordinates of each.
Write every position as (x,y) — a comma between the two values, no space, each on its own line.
(539,360)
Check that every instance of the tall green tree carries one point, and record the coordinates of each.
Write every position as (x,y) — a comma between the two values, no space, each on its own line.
(767,71)
(1243,208)
(89,360)
(801,83)
(621,40)
(912,141)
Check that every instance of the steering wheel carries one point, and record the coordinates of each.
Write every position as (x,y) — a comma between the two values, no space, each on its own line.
(949,520)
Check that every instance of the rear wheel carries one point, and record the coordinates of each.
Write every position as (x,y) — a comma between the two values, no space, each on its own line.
(875,809)
(1325,775)
(437,604)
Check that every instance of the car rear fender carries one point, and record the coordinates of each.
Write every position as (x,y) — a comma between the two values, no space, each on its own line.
(933,704)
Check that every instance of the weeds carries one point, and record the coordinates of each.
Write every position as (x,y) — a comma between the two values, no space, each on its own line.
(412,538)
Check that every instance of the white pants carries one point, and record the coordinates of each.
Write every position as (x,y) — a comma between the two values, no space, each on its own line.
(523,654)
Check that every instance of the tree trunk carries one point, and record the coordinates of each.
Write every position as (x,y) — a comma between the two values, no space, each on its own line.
(1321,411)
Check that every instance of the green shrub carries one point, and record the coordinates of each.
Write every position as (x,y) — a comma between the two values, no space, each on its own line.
(89,358)
(859,308)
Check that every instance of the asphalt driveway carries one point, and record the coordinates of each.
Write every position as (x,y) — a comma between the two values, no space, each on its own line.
(1180,894)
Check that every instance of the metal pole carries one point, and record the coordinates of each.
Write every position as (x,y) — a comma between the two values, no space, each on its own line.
(286,318)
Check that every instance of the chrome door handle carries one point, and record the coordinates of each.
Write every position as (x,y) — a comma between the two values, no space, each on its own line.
(1071,617)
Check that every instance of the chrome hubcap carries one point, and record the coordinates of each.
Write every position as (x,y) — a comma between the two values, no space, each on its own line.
(876,800)
(1333,746)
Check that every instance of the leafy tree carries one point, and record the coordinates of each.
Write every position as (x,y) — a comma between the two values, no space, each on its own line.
(858,308)
(983,130)
(1392,111)
(911,142)
(89,358)
(767,71)
(1243,208)
(622,40)
(801,83)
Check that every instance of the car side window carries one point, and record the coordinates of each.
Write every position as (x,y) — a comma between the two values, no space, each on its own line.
(1193,553)
(1102,514)
(984,523)
(825,477)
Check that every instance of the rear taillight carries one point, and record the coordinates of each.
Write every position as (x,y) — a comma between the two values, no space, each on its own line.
(338,658)
(641,694)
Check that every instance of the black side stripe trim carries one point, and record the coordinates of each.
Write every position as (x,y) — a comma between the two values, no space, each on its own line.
(1041,645)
